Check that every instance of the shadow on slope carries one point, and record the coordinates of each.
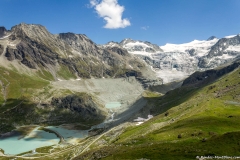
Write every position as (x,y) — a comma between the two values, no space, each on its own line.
(193,120)
(191,86)
(19,112)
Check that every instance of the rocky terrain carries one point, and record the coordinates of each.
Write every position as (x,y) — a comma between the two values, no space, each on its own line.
(224,50)
(65,78)
(200,78)
(174,62)
(3,32)
(189,121)
(65,55)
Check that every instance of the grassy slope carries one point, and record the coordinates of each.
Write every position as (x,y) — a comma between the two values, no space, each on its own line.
(24,92)
(65,73)
(20,90)
(20,85)
(191,122)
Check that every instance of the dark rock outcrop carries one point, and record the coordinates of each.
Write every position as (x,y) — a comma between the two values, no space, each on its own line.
(80,43)
(31,54)
(120,51)
(211,38)
(199,78)
(81,105)
(3,31)
(192,52)
(1,49)
(211,60)
(38,49)
(10,54)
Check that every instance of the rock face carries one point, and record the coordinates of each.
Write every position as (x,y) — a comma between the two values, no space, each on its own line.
(199,78)
(132,45)
(1,49)
(223,51)
(120,51)
(135,46)
(3,32)
(173,62)
(36,48)
(211,38)
(80,105)
(74,108)
(80,43)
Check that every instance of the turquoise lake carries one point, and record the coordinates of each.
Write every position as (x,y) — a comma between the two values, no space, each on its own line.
(36,139)
(112,105)
(39,138)
(67,134)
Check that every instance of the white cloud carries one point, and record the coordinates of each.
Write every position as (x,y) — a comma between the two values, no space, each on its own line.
(111,12)
(93,3)
(145,27)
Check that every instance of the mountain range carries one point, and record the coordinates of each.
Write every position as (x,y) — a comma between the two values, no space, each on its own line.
(134,99)
(173,62)
(36,48)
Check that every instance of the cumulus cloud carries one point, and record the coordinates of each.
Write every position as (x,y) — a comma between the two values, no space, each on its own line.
(111,12)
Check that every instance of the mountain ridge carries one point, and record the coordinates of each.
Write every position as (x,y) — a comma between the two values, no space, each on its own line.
(188,121)
(68,80)
(174,62)
(36,48)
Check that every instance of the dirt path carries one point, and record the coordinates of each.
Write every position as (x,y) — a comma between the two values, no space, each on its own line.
(13,107)
(92,142)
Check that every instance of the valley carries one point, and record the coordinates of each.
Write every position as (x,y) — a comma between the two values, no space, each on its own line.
(64,97)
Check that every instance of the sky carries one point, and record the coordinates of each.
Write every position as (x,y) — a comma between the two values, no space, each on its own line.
(156,21)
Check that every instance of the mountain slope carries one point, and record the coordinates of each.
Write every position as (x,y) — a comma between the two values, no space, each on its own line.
(34,62)
(174,62)
(27,99)
(73,54)
(225,49)
(191,121)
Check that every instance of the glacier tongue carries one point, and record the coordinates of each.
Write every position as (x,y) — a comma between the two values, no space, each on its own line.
(171,75)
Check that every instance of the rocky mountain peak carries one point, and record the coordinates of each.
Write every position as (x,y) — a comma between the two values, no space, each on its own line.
(125,41)
(139,46)
(34,31)
(28,27)
(79,42)
(72,36)
(65,55)
(112,44)
(211,38)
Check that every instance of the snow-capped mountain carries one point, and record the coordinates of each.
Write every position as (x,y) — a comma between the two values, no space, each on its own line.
(136,47)
(140,47)
(224,50)
(32,48)
(194,48)
(173,62)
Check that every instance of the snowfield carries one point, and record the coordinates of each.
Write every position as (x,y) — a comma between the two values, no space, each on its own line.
(201,47)
(175,62)
(231,36)
(234,48)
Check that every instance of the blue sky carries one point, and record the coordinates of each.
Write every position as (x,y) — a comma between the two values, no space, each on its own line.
(156,21)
